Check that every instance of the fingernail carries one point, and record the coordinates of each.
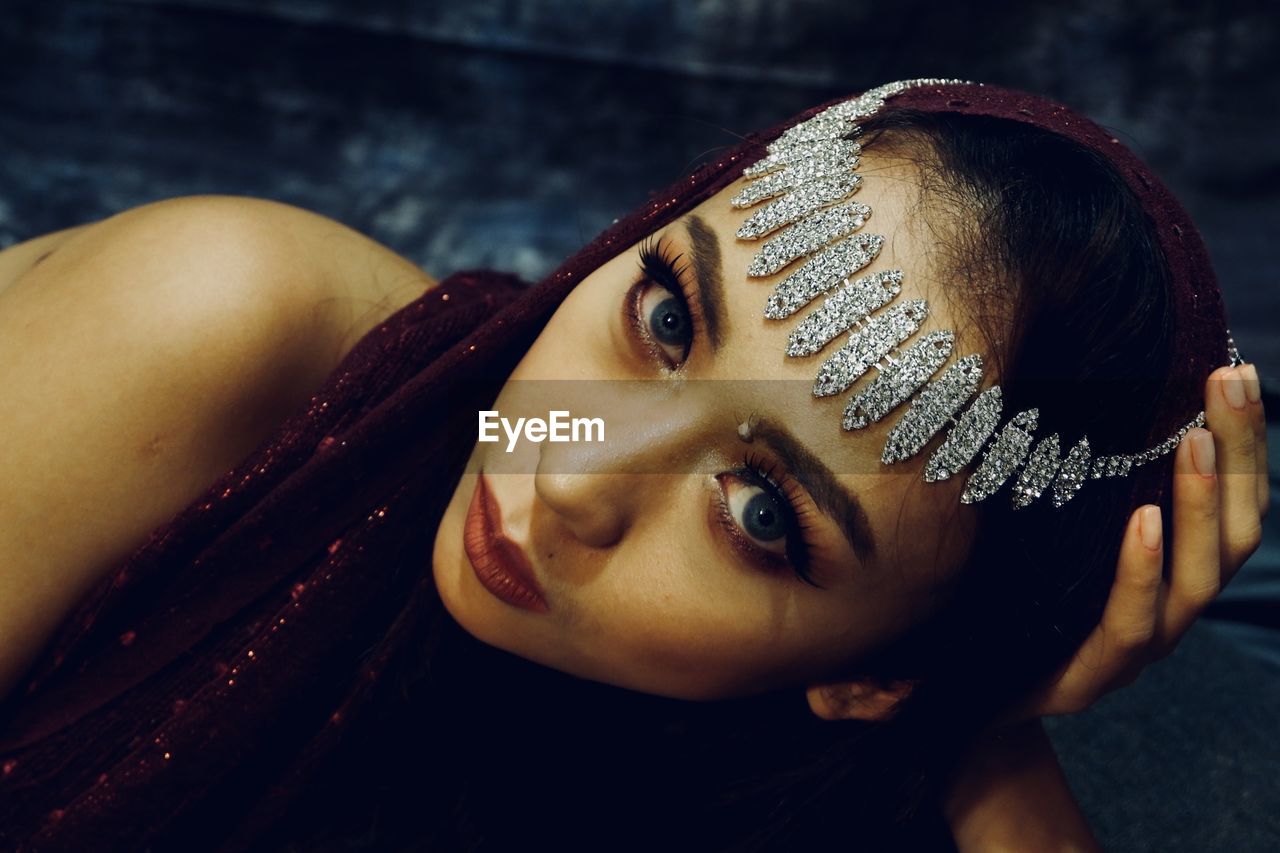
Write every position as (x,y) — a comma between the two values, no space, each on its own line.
(1202,451)
(1149,527)
(1252,387)
(1233,388)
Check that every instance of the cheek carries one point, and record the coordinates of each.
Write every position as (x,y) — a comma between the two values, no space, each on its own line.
(690,628)
(448,558)
(689,624)
(581,339)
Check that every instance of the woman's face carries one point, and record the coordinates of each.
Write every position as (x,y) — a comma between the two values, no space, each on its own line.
(668,557)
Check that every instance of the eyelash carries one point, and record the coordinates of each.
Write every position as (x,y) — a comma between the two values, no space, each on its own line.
(658,266)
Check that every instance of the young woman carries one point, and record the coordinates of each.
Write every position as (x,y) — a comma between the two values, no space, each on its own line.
(729,626)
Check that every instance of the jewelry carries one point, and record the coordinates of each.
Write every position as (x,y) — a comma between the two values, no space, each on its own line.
(804,183)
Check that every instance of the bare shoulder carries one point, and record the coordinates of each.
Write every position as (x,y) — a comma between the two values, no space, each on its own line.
(142,357)
(301,259)
(292,287)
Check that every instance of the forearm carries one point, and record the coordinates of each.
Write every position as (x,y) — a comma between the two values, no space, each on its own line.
(1011,795)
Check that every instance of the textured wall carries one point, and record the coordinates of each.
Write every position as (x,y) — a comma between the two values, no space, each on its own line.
(506,133)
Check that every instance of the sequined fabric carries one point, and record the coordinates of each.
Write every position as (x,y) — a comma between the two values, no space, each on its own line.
(231,647)
(190,697)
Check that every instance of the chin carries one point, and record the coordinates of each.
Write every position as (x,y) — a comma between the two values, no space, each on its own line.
(448,561)
(470,604)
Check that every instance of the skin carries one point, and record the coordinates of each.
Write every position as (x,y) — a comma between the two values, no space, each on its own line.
(699,620)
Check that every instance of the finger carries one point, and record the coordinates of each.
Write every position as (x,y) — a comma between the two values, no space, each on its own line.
(1194,547)
(1258,420)
(1118,647)
(1227,417)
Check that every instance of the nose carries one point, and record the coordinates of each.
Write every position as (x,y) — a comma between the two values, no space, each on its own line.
(587,504)
(597,490)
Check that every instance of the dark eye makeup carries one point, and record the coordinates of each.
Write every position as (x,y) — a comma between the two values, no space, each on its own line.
(660,306)
(766,516)
(761,508)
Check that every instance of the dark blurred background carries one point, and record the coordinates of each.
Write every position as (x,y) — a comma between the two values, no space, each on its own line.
(506,134)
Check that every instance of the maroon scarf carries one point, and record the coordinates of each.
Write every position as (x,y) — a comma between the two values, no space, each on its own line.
(207,677)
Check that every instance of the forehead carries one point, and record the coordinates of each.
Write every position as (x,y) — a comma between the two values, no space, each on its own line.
(754,347)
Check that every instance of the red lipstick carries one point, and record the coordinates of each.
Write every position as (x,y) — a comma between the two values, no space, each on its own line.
(499,564)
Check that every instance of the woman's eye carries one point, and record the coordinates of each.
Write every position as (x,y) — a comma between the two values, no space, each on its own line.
(666,317)
(759,514)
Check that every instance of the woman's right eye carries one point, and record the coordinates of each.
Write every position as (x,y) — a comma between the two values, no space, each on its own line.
(659,305)
(665,319)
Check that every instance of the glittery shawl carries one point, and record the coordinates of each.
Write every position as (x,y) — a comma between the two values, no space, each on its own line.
(213,672)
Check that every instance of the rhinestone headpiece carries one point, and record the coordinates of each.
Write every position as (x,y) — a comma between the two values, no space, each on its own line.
(806,179)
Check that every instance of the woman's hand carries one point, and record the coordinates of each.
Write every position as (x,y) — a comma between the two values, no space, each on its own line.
(1009,792)
(1217,525)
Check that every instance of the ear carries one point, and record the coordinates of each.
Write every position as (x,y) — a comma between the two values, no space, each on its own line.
(861,699)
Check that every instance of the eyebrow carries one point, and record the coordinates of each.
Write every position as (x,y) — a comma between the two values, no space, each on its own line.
(709,273)
(828,493)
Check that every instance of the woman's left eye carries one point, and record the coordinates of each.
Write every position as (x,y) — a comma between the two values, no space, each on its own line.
(764,517)
(666,320)
(761,515)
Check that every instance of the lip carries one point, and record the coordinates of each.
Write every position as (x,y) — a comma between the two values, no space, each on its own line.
(500,565)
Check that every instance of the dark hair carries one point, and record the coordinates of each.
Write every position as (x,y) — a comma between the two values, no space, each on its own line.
(1081,328)
(491,752)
